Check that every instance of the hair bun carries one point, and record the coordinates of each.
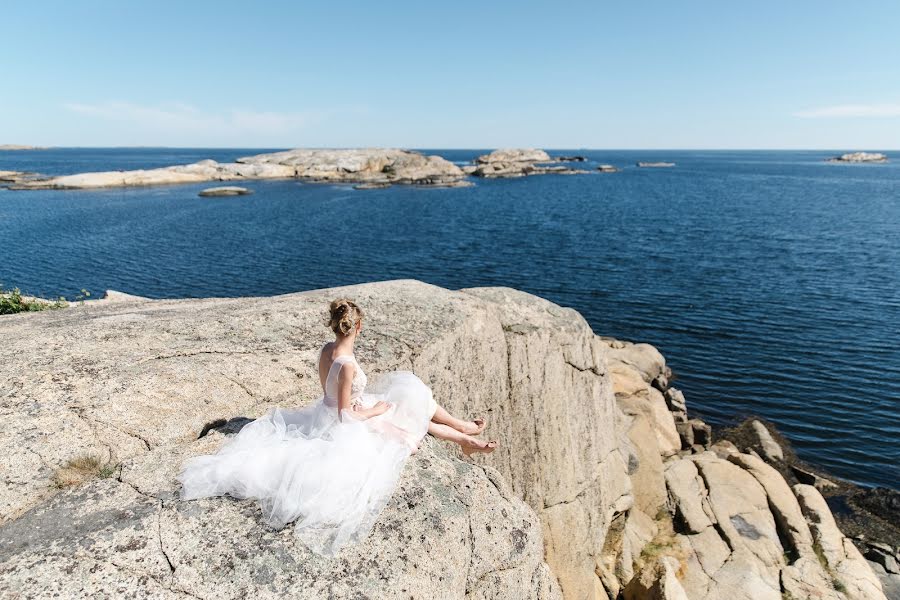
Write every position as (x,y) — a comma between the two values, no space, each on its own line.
(344,315)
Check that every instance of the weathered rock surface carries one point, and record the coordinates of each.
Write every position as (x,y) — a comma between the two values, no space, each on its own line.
(590,494)
(142,377)
(363,165)
(451,530)
(225,190)
(859,157)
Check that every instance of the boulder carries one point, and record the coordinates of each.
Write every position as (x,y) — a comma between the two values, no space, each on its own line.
(810,478)
(225,190)
(688,494)
(702,433)
(657,582)
(644,358)
(676,403)
(608,169)
(651,404)
(770,448)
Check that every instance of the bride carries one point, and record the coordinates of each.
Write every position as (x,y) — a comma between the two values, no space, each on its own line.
(332,466)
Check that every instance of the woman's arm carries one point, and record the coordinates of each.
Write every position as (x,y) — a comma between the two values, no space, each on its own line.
(345,383)
(345,389)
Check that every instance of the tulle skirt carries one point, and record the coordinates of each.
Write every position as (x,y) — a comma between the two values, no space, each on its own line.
(331,475)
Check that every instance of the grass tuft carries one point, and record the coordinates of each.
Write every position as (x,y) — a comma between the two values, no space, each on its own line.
(81,469)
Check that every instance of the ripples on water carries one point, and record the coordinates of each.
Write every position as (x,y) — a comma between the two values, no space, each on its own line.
(770,280)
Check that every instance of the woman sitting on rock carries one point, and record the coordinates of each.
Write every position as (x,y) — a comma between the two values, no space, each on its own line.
(331,466)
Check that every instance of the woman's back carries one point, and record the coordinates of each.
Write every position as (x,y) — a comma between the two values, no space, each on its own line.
(330,367)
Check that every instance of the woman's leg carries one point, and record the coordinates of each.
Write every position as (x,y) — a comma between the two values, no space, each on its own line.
(469,427)
(466,442)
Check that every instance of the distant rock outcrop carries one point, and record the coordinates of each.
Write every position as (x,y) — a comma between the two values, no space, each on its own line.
(519,162)
(371,165)
(594,491)
(18,147)
(859,157)
(655,165)
(225,190)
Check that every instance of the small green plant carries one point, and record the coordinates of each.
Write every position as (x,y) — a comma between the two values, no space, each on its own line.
(12,302)
(838,585)
(81,469)
(820,554)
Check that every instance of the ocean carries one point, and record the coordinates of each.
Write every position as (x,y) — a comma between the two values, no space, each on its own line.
(769,280)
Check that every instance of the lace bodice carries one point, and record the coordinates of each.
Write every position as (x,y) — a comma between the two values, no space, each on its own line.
(331,382)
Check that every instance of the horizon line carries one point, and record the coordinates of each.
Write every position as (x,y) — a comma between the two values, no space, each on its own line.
(415,148)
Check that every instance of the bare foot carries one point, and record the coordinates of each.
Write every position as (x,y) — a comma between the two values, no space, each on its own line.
(479,446)
(473,427)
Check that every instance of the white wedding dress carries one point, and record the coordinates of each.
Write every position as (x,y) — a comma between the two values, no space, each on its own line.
(332,475)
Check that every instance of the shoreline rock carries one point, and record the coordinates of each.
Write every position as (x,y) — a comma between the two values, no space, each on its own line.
(596,490)
(859,157)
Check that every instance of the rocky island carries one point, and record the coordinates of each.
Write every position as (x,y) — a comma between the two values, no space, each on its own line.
(655,165)
(519,162)
(367,168)
(366,165)
(602,486)
(224,190)
(859,157)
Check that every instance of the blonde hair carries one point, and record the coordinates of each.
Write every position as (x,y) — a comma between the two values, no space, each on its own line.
(343,316)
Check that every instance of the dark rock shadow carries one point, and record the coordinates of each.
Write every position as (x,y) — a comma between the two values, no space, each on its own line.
(226,426)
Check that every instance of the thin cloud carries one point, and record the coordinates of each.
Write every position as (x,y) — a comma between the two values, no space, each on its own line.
(854,111)
(185,117)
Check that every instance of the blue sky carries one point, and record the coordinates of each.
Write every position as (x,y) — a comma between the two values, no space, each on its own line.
(713,74)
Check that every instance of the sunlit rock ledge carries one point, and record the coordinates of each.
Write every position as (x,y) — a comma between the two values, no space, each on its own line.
(602,487)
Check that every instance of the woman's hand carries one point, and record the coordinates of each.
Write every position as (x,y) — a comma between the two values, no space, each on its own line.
(379,408)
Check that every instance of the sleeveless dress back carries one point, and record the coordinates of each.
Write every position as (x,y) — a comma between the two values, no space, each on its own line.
(332,474)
